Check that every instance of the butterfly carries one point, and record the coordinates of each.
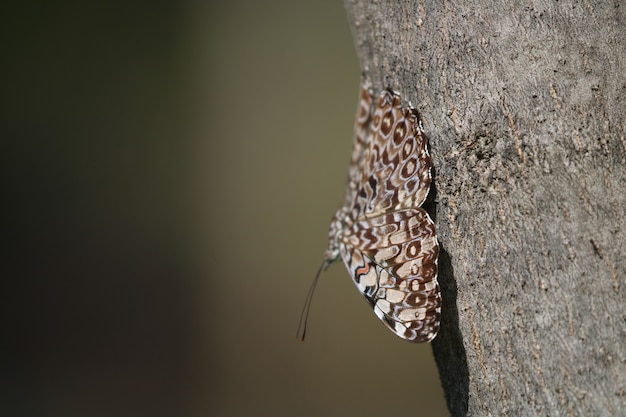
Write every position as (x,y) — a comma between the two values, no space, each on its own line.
(386,241)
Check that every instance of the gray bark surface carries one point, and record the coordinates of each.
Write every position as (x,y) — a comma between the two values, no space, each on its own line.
(524,106)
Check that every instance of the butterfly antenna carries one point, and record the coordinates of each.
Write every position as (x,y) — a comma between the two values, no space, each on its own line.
(304,316)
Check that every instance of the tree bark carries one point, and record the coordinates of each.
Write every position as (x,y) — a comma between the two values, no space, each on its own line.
(524,107)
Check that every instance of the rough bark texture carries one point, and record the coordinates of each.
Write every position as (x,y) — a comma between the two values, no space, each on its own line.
(524,104)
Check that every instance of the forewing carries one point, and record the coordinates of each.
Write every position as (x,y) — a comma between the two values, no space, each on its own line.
(395,167)
(362,133)
(392,259)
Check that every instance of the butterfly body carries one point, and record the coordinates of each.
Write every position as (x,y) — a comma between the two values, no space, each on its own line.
(385,239)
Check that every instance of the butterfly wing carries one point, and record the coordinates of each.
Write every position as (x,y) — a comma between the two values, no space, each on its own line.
(392,259)
(387,243)
(362,133)
(395,167)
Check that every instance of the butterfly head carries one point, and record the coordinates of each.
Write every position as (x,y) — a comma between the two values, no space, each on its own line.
(334,239)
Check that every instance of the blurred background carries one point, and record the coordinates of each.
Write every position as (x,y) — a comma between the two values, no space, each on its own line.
(170,171)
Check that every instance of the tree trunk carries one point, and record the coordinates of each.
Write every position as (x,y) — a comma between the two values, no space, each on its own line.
(524,107)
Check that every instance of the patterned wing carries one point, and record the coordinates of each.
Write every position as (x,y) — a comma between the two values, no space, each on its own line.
(395,167)
(385,239)
(392,259)
(362,132)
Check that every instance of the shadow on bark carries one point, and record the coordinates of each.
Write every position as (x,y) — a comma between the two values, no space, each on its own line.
(448,345)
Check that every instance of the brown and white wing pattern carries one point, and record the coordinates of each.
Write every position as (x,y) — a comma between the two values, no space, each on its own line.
(395,168)
(385,239)
(362,133)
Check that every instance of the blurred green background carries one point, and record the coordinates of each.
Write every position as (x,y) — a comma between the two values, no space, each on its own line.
(170,170)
